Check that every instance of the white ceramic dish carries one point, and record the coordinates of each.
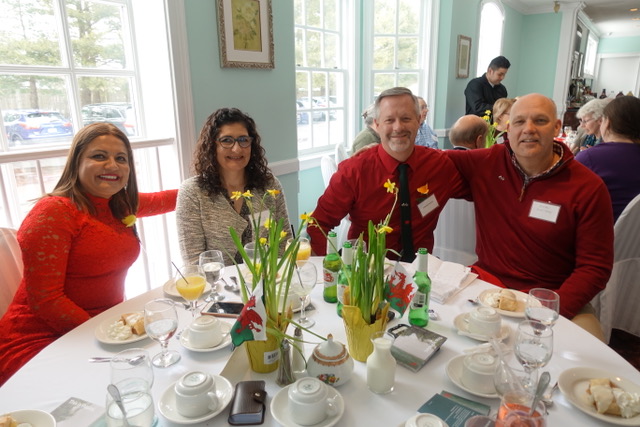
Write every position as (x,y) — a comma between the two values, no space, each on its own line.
(428,416)
(454,372)
(34,417)
(101,333)
(167,403)
(462,325)
(226,339)
(574,382)
(521,300)
(169,288)
(280,409)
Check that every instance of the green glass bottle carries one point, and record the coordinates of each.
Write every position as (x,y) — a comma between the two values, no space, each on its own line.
(331,268)
(344,276)
(419,307)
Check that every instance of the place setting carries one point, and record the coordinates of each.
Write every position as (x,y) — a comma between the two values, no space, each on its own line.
(307,402)
(482,324)
(206,333)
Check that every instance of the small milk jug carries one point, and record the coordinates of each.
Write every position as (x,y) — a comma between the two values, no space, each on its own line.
(381,365)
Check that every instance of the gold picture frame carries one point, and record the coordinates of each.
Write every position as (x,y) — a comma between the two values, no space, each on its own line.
(464,57)
(245,33)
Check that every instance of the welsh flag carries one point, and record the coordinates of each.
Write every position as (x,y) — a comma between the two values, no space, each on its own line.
(251,324)
(399,289)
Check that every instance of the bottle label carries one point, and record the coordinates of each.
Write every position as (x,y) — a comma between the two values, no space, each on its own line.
(418,301)
(330,278)
(341,289)
(271,357)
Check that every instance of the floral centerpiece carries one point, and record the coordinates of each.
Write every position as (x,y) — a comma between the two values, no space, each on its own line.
(492,132)
(265,287)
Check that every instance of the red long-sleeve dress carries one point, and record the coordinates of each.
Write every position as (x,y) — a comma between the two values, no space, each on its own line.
(75,266)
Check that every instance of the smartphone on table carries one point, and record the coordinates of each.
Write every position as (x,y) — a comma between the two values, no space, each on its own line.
(223,309)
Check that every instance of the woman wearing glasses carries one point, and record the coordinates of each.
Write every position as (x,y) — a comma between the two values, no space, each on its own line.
(590,115)
(228,158)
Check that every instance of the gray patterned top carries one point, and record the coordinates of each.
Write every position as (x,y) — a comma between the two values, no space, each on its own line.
(203,221)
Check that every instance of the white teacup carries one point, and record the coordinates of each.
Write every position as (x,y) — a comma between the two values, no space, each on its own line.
(195,394)
(424,420)
(205,332)
(309,403)
(477,372)
(484,321)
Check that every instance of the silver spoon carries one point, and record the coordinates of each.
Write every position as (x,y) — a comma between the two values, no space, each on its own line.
(115,393)
(133,361)
(543,383)
(547,398)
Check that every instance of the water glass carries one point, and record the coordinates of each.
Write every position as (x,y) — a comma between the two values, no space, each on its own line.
(212,263)
(161,323)
(138,405)
(131,364)
(543,305)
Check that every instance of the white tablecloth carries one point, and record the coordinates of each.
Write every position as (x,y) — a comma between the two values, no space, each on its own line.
(61,370)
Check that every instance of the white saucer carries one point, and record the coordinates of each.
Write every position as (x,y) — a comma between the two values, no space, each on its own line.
(35,417)
(461,324)
(280,409)
(521,300)
(226,339)
(167,403)
(169,288)
(454,372)
(102,334)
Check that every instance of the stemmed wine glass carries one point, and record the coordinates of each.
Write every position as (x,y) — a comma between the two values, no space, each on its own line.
(533,347)
(543,306)
(160,323)
(212,263)
(303,281)
(190,281)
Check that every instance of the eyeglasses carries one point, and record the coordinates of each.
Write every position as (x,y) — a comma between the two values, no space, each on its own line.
(229,142)
(583,121)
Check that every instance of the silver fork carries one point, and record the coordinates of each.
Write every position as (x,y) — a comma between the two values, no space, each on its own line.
(547,398)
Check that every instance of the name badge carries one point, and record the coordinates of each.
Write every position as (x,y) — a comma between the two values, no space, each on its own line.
(428,205)
(544,211)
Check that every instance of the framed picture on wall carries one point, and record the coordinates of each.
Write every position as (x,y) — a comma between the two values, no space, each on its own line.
(464,57)
(245,33)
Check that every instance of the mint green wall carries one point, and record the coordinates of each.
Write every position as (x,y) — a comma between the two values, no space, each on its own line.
(619,45)
(254,91)
(539,54)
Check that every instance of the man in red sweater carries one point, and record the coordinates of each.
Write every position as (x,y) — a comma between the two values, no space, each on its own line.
(543,219)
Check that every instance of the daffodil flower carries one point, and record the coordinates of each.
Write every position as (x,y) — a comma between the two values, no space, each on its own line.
(424,189)
(267,223)
(486,118)
(487,112)
(247,194)
(273,193)
(235,195)
(307,217)
(129,220)
(390,186)
(283,234)
(385,229)
(263,240)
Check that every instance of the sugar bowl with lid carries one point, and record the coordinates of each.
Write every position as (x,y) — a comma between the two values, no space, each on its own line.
(330,362)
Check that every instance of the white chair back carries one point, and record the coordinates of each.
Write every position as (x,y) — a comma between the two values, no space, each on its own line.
(617,305)
(455,234)
(340,153)
(11,271)
(328,167)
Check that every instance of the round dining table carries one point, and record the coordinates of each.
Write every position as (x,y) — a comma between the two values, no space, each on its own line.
(62,370)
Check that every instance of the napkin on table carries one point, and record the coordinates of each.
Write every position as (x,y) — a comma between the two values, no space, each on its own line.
(447,278)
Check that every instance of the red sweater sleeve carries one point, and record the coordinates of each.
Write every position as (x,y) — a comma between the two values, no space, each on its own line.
(157,203)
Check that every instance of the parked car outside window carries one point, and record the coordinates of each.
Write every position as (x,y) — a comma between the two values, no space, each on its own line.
(29,126)
(120,114)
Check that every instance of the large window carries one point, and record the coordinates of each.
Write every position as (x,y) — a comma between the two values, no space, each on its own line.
(320,73)
(491,26)
(68,63)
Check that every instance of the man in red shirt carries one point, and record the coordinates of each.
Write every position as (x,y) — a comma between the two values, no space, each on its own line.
(357,190)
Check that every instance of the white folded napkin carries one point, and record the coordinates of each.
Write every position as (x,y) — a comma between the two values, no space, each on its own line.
(447,278)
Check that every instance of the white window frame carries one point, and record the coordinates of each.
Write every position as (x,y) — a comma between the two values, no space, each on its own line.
(484,60)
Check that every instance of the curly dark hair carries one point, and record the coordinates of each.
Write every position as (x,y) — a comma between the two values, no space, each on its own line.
(206,164)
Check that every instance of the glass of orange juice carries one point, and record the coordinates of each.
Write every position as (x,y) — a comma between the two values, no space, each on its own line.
(304,251)
(190,281)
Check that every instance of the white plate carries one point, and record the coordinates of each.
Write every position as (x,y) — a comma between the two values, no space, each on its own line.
(462,325)
(102,333)
(226,339)
(34,417)
(280,408)
(169,288)
(427,417)
(574,383)
(454,372)
(167,403)
(521,300)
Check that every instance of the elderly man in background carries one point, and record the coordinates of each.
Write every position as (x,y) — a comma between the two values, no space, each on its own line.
(425,136)
(357,188)
(482,92)
(468,133)
(543,219)
(368,135)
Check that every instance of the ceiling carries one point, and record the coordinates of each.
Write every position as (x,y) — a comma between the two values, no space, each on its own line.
(610,17)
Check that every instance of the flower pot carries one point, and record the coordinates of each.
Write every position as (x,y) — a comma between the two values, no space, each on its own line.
(359,332)
(264,355)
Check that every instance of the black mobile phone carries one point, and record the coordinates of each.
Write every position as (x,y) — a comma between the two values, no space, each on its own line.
(224,309)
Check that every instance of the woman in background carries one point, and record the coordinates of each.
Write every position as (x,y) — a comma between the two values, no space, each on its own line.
(590,115)
(77,244)
(500,114)
(617,159)
(228,158)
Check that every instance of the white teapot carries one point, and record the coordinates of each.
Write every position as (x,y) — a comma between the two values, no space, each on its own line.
(330,363)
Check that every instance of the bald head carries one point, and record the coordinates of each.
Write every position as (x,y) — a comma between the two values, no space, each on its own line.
(469,131)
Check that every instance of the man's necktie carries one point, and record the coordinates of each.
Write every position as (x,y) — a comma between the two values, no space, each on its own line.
(406,239)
